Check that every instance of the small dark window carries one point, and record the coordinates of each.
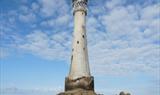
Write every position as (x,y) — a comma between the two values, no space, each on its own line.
(77,42)
(83,48)
(82,13)
(72,58)
(72,49)
(83,36)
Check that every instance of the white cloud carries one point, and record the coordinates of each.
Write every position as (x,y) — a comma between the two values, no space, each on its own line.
(151,11)
(62,20)
(56,22)
(92,23)
(35,6)
(48,46)
(122,40)
(30,13)
(52,7)
(27,18)
(114,3)
(24,9)
(125,47)
(125,60)
(128,37)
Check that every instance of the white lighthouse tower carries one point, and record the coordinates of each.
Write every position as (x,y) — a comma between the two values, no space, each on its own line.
(79,58)
(79,77)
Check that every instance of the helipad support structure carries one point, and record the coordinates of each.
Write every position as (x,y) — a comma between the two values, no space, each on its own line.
(79,80)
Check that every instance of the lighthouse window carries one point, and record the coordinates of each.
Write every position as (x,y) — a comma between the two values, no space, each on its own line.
(72,49)
(71,58)
(77,42)
(82,13)
(83,36)
(83,48)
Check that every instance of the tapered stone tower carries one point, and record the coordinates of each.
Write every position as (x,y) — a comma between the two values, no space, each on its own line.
(79,80)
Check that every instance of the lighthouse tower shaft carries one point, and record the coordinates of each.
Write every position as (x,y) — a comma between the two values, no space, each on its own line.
(79,58)
(79,75)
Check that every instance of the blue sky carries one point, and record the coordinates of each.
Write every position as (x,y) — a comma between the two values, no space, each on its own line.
(123,43)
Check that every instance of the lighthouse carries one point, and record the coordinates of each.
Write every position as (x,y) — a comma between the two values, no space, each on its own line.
(79,80)
(79,59)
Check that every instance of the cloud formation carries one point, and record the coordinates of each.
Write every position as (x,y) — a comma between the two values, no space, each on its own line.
(52,7)
(47,46)
(127,35)
(123,35)
(124,45)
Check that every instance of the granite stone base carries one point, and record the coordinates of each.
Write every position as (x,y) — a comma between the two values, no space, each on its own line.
(78,92)
(85,83)
(80,86)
